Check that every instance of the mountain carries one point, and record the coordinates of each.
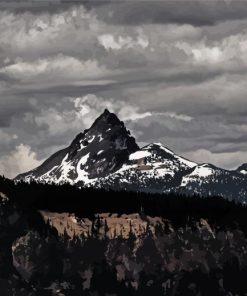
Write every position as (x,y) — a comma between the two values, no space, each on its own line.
(107,156)
(97,152)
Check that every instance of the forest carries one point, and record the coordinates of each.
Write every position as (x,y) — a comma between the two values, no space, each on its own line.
(90,201)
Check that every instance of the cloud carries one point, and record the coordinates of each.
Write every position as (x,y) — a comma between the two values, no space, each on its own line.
(13,108)
(20,160)
(228,53)
(136,12)
(57,123)
(7,138)
(29,36)
(57,70)
(109,42)
(132,113)
(178,116)
(207,54)
(90,106)
(197,12)
(175,71)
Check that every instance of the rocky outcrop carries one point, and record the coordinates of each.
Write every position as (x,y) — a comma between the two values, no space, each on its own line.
(131,254)
(104,225)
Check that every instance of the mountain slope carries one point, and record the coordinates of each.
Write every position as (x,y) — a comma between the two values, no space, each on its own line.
(164,171)
(209,180)
(161,171)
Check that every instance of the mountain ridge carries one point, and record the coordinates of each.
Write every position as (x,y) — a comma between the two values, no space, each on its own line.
(107,156)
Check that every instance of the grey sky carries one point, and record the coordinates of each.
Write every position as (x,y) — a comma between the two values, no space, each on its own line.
(174,71)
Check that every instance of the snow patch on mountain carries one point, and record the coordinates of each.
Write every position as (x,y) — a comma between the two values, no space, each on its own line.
(139,154)
(203,170)
(200,172)
(244,172)
(65,167)
(83,161)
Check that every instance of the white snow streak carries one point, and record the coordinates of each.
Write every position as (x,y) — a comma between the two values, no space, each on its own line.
(139,154)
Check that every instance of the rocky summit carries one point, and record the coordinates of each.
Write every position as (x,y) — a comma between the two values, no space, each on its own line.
(97,152)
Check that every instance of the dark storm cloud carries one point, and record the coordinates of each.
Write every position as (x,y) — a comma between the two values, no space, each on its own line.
(197,13)
(13,107)
(137,12)
(33,6)
(47,6)
(6,78)
(175,72)
(152,81)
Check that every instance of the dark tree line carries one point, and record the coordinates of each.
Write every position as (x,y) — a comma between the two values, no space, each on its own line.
(88,201)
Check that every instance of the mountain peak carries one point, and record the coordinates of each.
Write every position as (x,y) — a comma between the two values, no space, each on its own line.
(106,112)
(106,145)
(105,115)
(107,120)
(96,152)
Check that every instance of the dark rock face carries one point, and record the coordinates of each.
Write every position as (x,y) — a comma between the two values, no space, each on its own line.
(108,144)
(96,152)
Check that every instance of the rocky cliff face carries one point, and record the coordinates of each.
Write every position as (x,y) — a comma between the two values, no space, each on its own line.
(104,225)
(135,254)
(50,253)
